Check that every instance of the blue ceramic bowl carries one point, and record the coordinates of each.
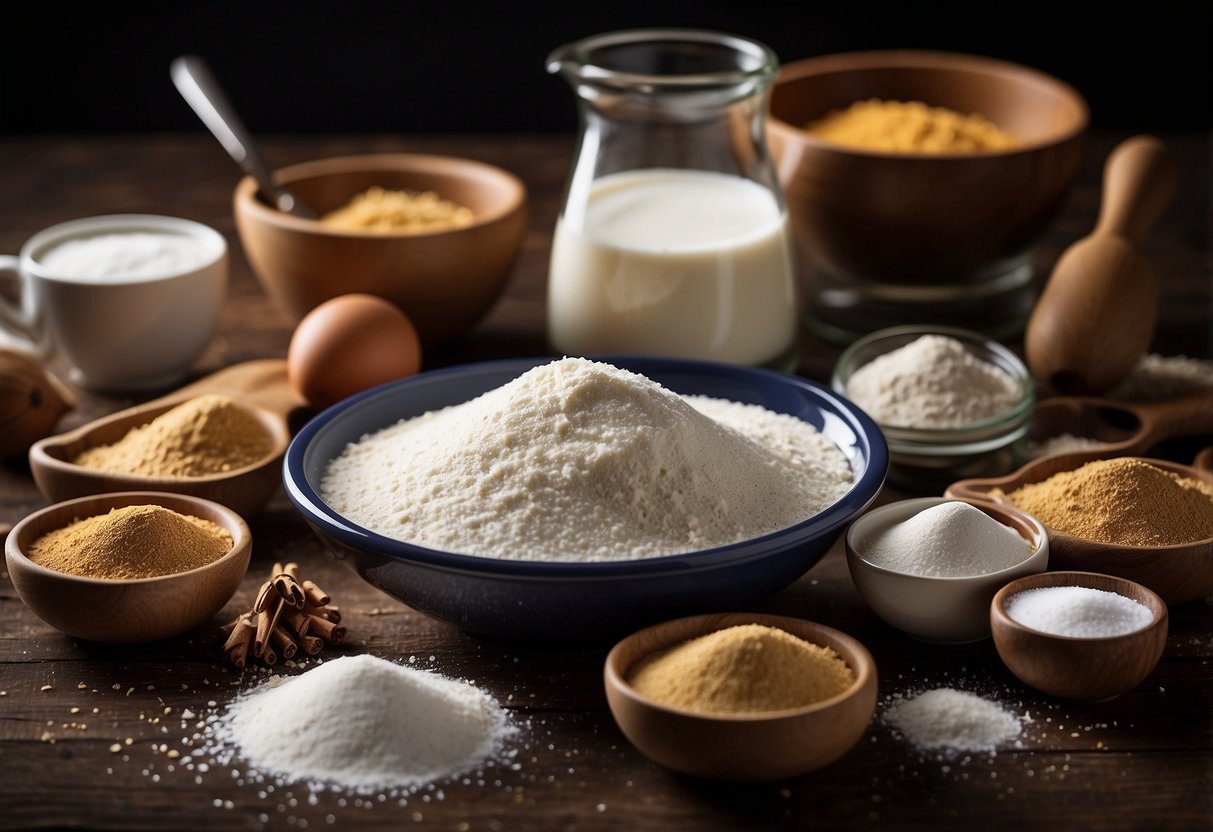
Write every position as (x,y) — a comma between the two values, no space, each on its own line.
(542,600)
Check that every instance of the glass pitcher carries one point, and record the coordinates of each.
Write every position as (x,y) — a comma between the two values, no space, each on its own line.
(673,238)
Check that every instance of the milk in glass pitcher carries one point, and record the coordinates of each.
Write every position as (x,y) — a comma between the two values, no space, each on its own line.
(674,238)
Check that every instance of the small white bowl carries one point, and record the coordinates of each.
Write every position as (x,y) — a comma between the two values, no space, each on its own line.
(120,332)
(945,610)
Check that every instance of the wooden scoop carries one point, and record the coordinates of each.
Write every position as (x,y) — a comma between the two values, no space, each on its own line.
(261,384)
(1122,428)
(1097,313)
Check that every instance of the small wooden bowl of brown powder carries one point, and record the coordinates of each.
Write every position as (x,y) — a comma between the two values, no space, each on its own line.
(737,696)
(209,446)
(1145,520)
(128,567)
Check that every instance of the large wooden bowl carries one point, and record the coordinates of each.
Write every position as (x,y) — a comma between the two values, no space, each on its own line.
(1083,669)
(124,611)
(911,220)
(1177,573)
(764,746)
(245,490)
(445,281)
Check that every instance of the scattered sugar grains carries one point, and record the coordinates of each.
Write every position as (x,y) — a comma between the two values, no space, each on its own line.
(1160,377)
(949,540)
(1078,611)
(933,382)
(951,720)
(364,724)
(580,460)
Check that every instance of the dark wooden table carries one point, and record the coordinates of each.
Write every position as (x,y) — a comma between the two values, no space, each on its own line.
(1141,761)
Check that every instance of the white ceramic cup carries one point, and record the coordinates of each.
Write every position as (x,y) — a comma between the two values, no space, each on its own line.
(117,332)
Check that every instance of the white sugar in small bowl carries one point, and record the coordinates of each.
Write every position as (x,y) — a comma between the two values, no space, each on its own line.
(937,609)
(1084,669)
(925,460)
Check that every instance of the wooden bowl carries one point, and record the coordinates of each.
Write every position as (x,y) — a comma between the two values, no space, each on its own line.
(445,281)
(764,746)
(912,222)
(245,490)
(125,611)
(1177,573)
(1083,669)
(937,609)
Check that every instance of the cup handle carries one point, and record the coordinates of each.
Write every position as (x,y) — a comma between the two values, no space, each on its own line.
(13,318)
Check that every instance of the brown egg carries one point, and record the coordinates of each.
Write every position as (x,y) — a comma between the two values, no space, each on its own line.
(349,344)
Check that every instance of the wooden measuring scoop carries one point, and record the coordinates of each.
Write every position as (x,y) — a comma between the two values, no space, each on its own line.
(1122,428)
(1097,313)
(262,385)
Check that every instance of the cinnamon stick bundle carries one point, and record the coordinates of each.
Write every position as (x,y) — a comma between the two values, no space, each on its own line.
(289,615)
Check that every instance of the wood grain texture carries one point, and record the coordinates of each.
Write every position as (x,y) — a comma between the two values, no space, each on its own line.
(1141,761)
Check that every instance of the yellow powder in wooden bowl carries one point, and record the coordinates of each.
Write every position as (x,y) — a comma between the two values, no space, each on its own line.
(1123,501)
(389,212)
(145,541)
(207,435)
(911,127)
(750,668)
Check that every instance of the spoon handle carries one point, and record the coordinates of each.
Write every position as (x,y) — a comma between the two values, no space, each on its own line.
(1140,179)
(197,85)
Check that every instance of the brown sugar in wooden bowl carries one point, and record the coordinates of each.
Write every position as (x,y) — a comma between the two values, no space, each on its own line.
(1086,669)
(752,746)
(245,489)
(445,281)
(1178,573)
(911,219)
(126,611)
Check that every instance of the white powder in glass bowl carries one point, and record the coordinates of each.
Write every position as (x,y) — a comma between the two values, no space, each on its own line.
(933,383)
(578,460)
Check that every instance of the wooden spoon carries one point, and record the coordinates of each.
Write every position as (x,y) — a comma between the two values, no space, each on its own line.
(1097,313)
(261,384)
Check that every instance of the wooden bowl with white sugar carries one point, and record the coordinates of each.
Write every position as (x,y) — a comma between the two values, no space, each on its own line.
(1088,668)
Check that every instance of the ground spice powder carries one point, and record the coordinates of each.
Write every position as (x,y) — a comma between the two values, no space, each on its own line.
(910,127)
(1122,501)
(745,669)
(206,435)
(132,542)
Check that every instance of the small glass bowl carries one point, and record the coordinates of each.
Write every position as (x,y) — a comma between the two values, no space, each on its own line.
(924,461)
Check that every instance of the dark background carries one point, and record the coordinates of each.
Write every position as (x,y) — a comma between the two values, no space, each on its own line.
(436,67)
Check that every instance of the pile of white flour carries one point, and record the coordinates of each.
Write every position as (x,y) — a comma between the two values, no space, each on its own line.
(949,540)
(364,724)
(933,382)
(579,460)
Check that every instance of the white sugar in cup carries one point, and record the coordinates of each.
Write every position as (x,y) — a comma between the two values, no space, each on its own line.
(128,301)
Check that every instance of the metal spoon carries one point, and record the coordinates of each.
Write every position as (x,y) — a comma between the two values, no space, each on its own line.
(198,87)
